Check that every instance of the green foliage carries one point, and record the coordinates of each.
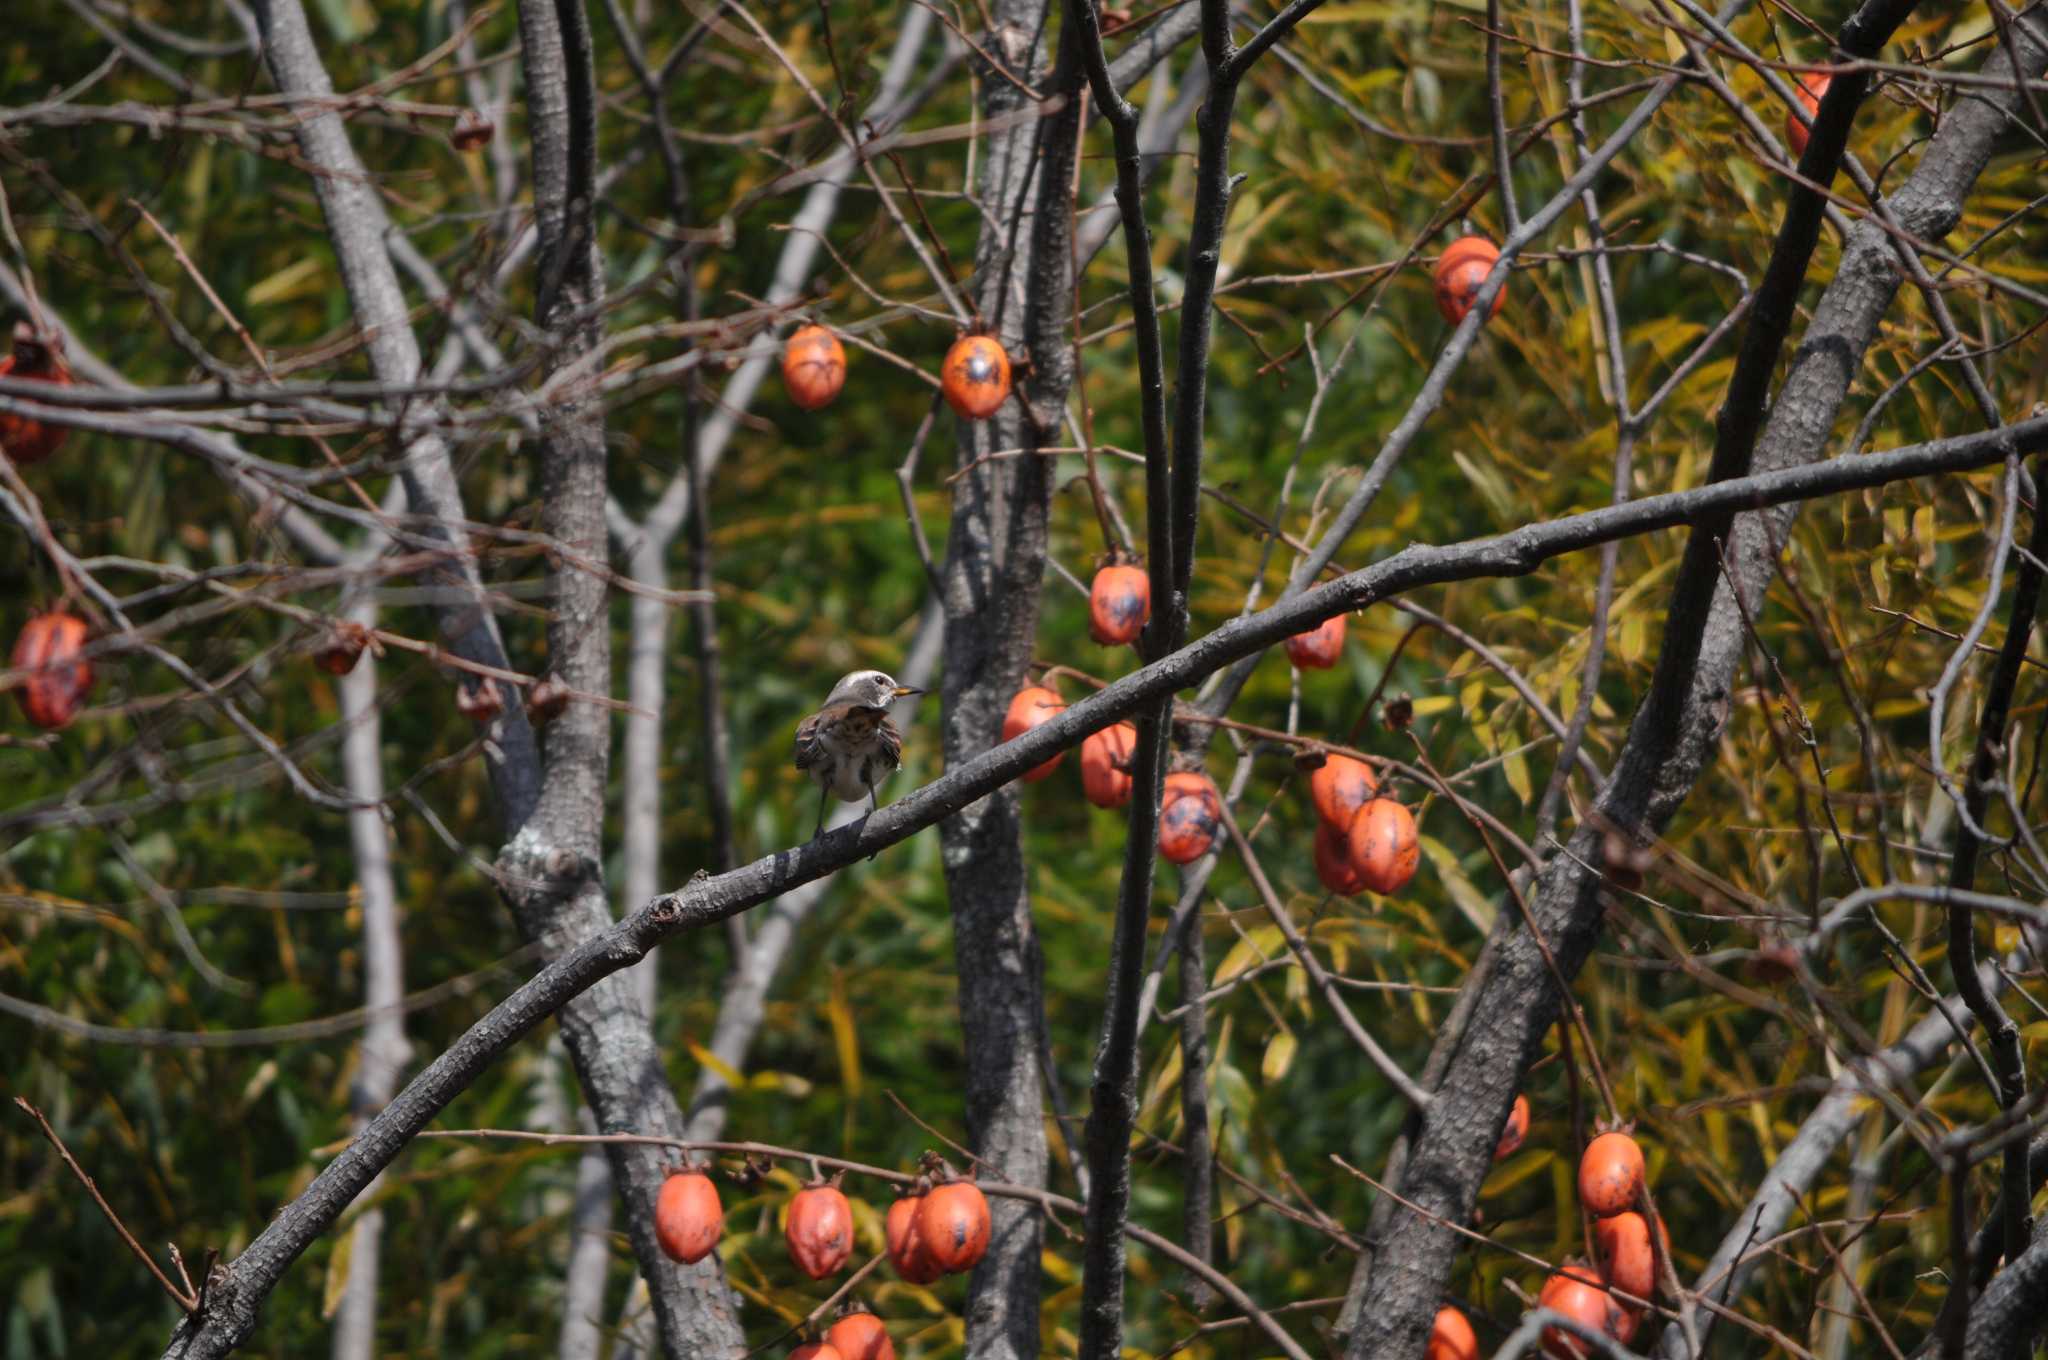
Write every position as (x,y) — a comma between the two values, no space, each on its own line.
(817,575)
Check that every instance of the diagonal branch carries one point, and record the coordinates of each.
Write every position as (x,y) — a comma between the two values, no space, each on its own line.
(231,1315)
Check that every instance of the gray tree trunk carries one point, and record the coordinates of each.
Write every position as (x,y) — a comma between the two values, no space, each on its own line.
(1659,764)
(992,576)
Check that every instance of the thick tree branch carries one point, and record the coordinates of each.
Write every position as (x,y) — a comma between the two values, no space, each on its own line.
(231,1314)
(1680,720)
(560,850)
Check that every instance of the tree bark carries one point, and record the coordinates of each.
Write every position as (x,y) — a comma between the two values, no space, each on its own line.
(992,578)
(1668,745)
(554,862)
(234,1293)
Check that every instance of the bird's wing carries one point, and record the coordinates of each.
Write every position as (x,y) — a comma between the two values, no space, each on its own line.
(810,750)
(890,741)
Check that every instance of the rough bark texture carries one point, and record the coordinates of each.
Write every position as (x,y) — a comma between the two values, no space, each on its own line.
(234,1293)
(647,547)
(2014,1309)
(1663,758)
(994,568)
(555,861)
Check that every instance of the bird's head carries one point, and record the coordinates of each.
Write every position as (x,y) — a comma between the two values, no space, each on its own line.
(868,689)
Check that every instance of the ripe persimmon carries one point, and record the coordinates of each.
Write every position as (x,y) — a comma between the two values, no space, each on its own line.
(816,1350)
(1460,270)
(1318,648)
(1340,786)
(819,1231)
(1384,845)
(1190,811)
(906,1251)
(953,1226)
(1516,1129)
(1621,1247)
(688,1217)
(1334,869)
(38,355)
(58,677)
(813,367)
(1810,91)
(1033,705)
(1452,1337)
(1119,604)
(861,1336)
(1574,1292)
(975,376)
(1610,1174)
(1106,765)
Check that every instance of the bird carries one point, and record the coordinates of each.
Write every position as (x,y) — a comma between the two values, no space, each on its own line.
(849,745)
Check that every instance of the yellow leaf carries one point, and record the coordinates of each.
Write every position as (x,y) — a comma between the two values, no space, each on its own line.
(1632,639)
(1254,949)
(789,1083)
(705,1058)
(1478,908)
(1923,534)
(843,1036)
(337,1274)
(1516,767)
(1488,483)
(1279,1057)
(301,276)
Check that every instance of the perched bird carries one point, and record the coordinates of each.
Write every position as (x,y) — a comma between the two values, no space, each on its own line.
(849,745)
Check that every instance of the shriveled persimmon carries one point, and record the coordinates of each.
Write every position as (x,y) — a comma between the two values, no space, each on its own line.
(813,367)
(1318,648)
(38,355)
(1106,765)
(975,376)
(688,1217)
(479,700)
(1385,845)
(1610,1174)
(1190,812)
(1119,604)
(472,131)
(1033,705)
(819,1230)
(58,677)
(343,646)
(1460,271)
(953,1226)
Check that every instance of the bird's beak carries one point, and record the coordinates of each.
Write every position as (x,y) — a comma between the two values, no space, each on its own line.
(902,690)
